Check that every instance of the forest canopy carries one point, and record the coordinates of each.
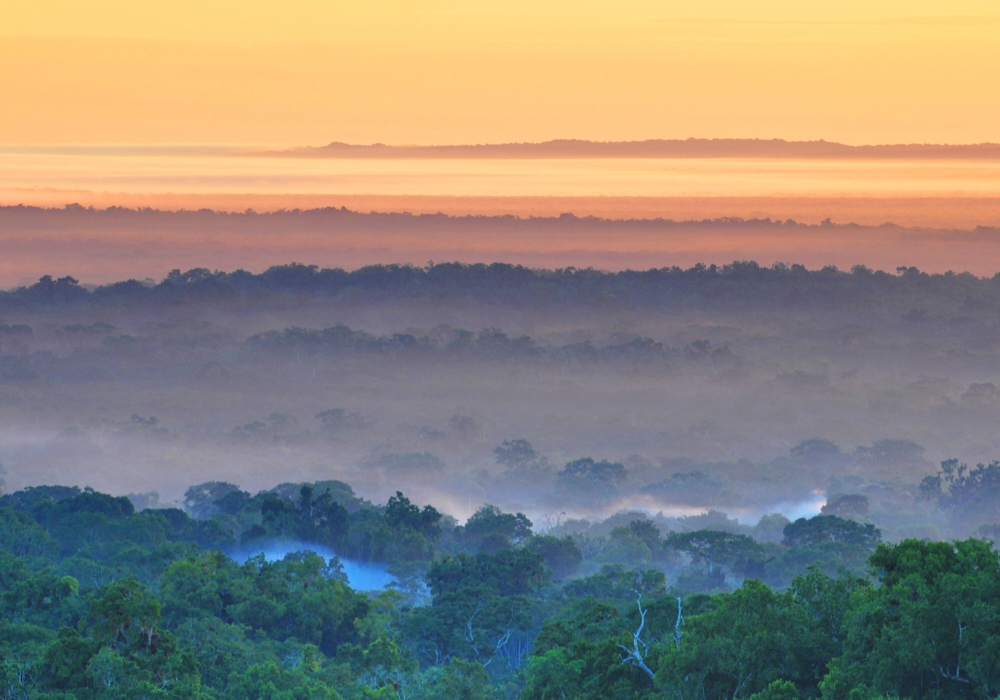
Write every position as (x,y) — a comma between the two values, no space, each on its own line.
(105,600)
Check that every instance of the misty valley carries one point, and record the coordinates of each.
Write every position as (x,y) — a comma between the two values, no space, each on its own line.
(499,350)
(490,481)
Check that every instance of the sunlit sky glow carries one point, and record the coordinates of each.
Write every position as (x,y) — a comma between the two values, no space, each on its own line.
(443,71)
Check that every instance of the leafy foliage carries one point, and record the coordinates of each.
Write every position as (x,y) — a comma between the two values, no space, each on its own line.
(490,529)
(158,611)
(830,528)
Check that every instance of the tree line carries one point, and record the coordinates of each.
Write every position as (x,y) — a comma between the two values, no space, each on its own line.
(741,284)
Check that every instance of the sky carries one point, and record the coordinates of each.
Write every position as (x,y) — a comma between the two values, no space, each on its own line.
(307,72)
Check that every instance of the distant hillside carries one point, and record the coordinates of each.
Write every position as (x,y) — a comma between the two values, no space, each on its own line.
(658,148)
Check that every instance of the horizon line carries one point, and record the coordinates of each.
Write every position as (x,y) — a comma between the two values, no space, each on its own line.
(562,217)
(690,147)
(651,148)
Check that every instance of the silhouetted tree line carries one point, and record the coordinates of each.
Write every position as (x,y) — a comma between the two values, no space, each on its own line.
(740,284)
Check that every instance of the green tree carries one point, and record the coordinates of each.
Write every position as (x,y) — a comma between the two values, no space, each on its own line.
(561,554)
(115,677)
(400,514)
(489,529)
(459,680)
(751,639)
(618,583)
(126,615)
(778,690)
(201,501)
(770,528)
(66,658)
(22,536)
(271,682)
(320,518)
(830,528)
(294,598)
(738,554)
(578,655)
(931,629)
(508,573)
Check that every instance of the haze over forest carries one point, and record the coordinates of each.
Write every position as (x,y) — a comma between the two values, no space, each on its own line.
(742,388)
(653,400)
(101,246)
(492,481)
(644,350)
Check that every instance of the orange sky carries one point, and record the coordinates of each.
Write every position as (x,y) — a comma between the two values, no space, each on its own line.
(444,71)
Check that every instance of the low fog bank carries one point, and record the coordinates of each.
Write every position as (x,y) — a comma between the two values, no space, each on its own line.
(104,246)
(567,395)
(326,534)
(361,576)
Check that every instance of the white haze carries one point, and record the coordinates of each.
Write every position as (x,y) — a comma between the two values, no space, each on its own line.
(360,575)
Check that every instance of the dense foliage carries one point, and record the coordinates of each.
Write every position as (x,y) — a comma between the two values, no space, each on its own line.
(101,601)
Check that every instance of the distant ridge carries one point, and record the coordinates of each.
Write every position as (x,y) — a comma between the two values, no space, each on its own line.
(657,148)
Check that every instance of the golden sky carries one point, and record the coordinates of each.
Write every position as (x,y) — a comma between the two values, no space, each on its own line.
(445,71)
